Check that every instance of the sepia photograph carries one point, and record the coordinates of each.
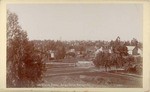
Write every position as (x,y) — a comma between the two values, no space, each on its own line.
(74,45)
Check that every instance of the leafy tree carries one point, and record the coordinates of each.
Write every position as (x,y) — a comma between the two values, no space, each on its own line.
(24,64)
(97,61)
(103,59)
(61,52)
(127,43)
(134,42)
(60,49)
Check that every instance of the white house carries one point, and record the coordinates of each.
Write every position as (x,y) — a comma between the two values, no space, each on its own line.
(103,49)
(52,54)
(130,49)
(133,50)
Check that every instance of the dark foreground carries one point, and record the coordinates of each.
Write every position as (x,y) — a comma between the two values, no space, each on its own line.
(68,75)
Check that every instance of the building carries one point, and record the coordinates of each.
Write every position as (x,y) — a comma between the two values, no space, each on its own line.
(133,50)
(103,49)
(85,64)
(130,49)
(51,54)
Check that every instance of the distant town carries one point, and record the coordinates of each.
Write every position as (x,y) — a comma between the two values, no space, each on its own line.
(77,63)
(55,50)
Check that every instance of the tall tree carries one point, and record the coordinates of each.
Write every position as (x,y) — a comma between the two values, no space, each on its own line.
(24,65)
(134,42)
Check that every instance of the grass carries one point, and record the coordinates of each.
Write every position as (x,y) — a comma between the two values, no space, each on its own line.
(86,78)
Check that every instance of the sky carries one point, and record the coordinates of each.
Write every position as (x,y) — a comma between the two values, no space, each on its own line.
(80,21)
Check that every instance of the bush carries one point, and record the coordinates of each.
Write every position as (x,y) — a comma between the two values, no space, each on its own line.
(133,64)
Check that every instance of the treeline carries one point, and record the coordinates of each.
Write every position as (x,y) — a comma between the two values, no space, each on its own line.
(83,45)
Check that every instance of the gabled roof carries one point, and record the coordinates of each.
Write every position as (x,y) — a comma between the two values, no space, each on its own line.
(98,50)
(130,48)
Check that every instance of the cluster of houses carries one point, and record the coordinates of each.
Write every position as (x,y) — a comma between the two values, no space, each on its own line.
(132,50)
(91,52)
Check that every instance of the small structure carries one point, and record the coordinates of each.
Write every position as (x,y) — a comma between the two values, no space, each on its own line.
(85,64)
(51,54)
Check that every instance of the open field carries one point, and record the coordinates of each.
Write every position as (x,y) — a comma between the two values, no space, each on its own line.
(68,75)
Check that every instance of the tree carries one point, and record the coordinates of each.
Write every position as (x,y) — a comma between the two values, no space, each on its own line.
(24,65)
(61,52)
(119,50)
(98,60)
(103,59)
(60,49)
(134,42)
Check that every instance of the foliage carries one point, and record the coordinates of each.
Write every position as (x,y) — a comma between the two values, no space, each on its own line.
(72,54)
(61,52)
(133,64)
(107,60)
(24,64)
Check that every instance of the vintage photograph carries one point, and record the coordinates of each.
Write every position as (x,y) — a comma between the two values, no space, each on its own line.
(74,46)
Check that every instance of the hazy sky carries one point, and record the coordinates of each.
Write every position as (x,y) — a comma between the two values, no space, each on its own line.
(80,21)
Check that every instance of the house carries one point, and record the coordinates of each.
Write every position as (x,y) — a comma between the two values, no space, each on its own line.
(137,51)
(51,54)
(130,49)
(98,50)
(133,50)
(103,49)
